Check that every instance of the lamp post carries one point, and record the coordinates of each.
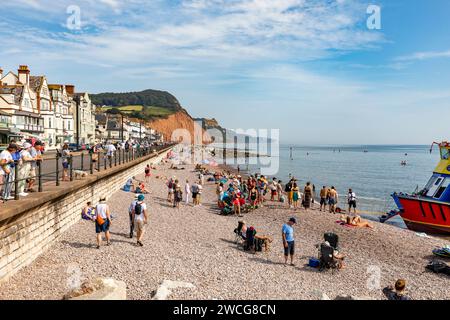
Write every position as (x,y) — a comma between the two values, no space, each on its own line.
(77,103)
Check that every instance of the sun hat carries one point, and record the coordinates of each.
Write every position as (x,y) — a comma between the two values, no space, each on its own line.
(141,197)
(293,220)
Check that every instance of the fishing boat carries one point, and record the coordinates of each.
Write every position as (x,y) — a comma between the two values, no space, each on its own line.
(428,210)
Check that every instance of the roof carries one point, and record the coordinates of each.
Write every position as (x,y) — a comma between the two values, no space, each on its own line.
(36,83)
(3,113)
(17,91)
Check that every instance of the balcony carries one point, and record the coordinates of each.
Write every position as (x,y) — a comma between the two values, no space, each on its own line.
(30,127)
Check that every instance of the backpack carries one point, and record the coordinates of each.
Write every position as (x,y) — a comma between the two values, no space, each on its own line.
(138,209)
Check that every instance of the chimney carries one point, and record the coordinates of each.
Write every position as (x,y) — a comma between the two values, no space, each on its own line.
(24,75)
(70,89)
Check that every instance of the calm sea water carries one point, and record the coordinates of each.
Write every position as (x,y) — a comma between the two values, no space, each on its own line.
(373,175)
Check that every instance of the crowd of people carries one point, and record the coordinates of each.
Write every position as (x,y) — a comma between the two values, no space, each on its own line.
(22,156)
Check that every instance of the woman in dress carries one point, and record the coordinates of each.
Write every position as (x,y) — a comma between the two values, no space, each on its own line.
(307,196)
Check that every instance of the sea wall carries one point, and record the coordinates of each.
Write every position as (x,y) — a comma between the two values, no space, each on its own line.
(29,226)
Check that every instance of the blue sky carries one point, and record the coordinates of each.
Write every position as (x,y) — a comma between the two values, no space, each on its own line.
(309,68)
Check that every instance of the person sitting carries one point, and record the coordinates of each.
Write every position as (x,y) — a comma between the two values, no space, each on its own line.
(88,212)
(397,293)
(141,188)
(358,222)
(130,185)
(326,250)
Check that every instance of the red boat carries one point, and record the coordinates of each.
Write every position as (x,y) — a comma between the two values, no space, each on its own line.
(429,209)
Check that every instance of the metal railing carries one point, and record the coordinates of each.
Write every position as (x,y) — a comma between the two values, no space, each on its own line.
(54,169)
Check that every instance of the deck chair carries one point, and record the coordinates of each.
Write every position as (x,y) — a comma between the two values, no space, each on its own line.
(250,241)
(332,238)
(327,261)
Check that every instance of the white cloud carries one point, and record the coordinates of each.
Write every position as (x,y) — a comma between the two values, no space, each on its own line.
(424,56)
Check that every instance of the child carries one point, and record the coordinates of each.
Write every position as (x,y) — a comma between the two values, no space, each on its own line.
(178,197)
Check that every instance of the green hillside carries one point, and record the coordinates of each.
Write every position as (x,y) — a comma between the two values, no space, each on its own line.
(149,104)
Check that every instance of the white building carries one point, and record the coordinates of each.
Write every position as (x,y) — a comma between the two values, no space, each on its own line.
(86,112)
(19,100)
(62,106)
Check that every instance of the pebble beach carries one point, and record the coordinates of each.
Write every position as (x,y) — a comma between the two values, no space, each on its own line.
(197,245)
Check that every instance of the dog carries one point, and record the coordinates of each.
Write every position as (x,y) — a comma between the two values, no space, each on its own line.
(79,174)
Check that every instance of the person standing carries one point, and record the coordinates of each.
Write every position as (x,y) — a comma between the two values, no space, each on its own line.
(36,154)
(295,195)
(178,196)
(140,218)
(333,199)
(279,190)
(287,233)
(289,193)
(219,193)
(65,155)
(24,168)
(323,198)
(110,151)
(187,191)
(351,199)
(194,189)
(130,213)
(6,170)
(307,196)
(273,189)
(199,194)
(147,173)
(102,221)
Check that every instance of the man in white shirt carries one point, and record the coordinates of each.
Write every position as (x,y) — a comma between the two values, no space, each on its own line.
(102,221)
(6,171)
(351,199)
(140,218)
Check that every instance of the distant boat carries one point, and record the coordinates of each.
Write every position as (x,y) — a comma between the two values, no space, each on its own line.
(429,209)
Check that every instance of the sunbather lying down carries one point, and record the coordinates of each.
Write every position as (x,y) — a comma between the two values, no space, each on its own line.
(358,222)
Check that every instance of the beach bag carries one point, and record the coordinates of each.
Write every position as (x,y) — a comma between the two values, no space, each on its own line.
(314,263)
(138,209)
(282,199)
(100,220)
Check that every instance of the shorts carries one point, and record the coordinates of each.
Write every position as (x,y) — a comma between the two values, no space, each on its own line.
(194,195)
(65,165)
(139,225)
(352,203)
(323,201)
(274,192)
(171,191)
(102,228)
(290,248)
(332,202)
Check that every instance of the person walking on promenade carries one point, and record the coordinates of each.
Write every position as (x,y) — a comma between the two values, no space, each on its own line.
(110,151)
(102,221)
(140,217)
(323,198)
(130,213)
(287,233)
(307,196)
(333,199)
(65,155)
(24,168)
(6,171)
(351,200)
(147,173)
(187,191)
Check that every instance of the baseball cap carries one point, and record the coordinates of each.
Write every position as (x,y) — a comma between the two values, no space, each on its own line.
(141,197)
(293,220)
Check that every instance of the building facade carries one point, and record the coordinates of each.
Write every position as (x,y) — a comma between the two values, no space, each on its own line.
(85,118)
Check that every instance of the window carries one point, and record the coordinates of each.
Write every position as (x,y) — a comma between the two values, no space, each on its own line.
(49,122)
(442,188)
(434,185)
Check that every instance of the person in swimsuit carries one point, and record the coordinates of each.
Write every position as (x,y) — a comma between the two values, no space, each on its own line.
(295,195)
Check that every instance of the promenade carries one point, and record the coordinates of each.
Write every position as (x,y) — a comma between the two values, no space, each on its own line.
(196,245)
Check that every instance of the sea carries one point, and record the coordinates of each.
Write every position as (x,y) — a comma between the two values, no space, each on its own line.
(374,172)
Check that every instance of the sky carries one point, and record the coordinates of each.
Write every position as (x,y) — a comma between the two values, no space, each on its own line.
(322,72)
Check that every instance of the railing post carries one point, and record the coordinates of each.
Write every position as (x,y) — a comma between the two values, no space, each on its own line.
(71,167)
(98,161)
(91,164)
(57,169)
(39,164)
(115,158)
(16,180)
(106,164)
(82,161)
(120,154)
